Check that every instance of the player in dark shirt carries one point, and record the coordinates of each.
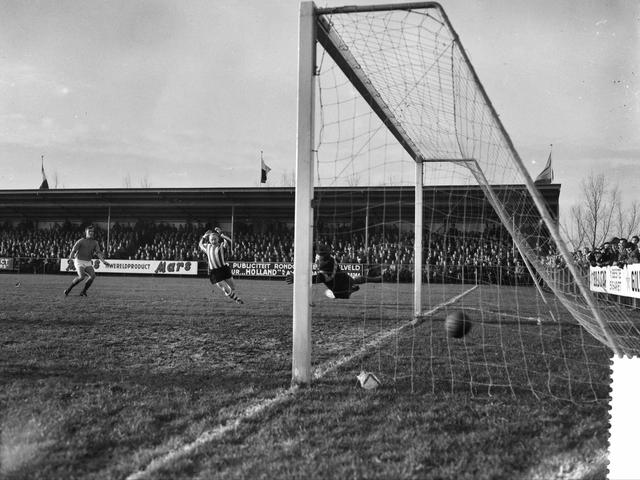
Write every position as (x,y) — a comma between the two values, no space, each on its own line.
(339,284)
(82,255)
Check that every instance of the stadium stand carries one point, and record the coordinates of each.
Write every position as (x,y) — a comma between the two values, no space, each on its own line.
(261,220)
(458,257)
(449,258)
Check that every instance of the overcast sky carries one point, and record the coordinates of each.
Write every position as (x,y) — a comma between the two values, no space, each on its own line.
(187,93)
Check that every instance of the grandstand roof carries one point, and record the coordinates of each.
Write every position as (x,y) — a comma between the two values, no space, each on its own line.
(219,204)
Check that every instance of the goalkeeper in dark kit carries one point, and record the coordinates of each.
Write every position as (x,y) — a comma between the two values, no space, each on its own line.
(339,284)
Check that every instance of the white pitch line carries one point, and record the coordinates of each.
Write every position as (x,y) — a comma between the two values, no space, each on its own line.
(563,467)
(256,409)
(502,314)
(214,434)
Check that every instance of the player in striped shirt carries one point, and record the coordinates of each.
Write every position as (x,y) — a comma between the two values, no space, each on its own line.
(213,244)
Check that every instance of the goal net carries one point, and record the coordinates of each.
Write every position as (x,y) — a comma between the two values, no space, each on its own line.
(407,175)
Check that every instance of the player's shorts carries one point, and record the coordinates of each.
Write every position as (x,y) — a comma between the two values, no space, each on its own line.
(82,264)
(219,274)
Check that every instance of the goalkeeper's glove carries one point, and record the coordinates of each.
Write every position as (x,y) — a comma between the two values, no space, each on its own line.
(289,278)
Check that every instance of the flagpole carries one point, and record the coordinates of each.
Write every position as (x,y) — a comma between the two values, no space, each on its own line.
(551,168)
(108,230)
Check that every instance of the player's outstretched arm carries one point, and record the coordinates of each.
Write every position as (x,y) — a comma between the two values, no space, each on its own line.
(102,259)
(315,278)
(98,253)
(359,280)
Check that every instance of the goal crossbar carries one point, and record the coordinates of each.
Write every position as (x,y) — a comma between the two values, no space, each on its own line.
(377,8)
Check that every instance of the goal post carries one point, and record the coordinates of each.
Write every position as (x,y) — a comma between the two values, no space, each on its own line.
(417,241)
(301,355)
(390,105)
(312,28)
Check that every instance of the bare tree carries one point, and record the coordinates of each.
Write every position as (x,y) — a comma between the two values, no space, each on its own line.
(288,179)
(353,180)
(145,182)
(633,219)
(126,181)
(600,213)
(575,228)
(627,220)
(390,180)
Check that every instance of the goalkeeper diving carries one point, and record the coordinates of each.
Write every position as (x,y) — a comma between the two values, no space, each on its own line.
(339,284)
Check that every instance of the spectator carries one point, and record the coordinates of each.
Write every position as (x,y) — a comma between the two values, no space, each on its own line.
(632,253)
(597,258)
(609,253)
(621,259)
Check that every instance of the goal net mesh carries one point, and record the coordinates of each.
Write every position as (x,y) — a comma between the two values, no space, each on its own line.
(395,87)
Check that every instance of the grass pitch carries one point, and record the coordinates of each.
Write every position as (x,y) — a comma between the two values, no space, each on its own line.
(152,375)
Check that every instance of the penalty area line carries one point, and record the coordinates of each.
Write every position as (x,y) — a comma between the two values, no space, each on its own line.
(256,409)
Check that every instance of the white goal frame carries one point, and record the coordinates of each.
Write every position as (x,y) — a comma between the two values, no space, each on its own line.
(313,29)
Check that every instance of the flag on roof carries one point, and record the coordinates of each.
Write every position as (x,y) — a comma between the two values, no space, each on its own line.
(264,170)
(546,175)
(45,184)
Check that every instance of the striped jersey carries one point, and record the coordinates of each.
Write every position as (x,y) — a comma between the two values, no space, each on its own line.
(215,254)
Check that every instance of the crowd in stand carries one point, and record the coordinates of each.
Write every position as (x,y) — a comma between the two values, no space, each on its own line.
(387,252)
(619,252)
(454,256)
(39,248)
(450,256)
